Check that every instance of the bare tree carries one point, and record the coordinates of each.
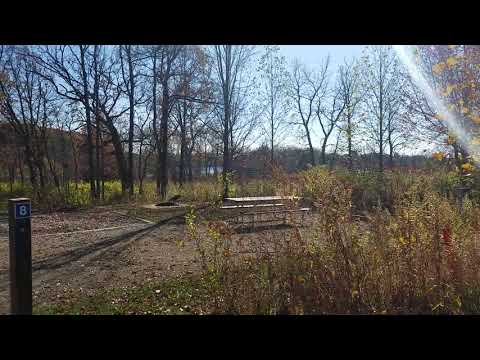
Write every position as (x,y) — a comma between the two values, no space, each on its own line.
(382,81)
(111,109)
(329,112)
(99,149)
(230,63)
(164,58)
(274,96)
(246,113)
(352,95)
(398,130)
(307,89)
(154,52)
(130,57)
(146,148)
(66,67)
(191,109)
(26,103)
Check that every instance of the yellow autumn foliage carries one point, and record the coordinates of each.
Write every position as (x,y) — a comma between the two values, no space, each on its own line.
(449,89)
(468,168)
(475,118)
(438,68)
(452,61)
(438,155)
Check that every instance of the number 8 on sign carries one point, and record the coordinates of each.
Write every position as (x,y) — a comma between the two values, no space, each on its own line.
(22,211)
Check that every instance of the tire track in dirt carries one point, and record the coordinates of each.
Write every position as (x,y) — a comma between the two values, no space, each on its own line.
(99,259)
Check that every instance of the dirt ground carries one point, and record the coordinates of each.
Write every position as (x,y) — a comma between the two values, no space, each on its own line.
(102,248)
(66,255)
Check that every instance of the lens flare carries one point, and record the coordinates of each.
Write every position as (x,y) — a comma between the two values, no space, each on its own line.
(406,54)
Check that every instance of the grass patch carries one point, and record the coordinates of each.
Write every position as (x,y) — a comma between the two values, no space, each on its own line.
(177,296)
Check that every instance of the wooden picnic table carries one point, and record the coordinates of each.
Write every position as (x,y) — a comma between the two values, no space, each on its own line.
(260,208)
(259,199)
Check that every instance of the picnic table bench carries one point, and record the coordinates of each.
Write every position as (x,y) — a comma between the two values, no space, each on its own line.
(255,200)
(261,209)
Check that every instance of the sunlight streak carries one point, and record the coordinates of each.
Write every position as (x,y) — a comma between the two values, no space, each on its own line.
(406,56)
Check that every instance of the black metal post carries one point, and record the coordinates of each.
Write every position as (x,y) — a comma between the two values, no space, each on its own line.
(20,236)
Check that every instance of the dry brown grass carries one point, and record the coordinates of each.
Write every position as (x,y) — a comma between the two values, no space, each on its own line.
(418,253)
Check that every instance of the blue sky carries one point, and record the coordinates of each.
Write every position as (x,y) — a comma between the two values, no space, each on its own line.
(312,55)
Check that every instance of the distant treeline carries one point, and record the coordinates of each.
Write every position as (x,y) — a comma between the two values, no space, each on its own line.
(65,160)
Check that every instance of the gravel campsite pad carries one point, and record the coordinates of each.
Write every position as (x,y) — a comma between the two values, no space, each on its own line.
(88,251)
(95,249)
(64,222)
(69,222)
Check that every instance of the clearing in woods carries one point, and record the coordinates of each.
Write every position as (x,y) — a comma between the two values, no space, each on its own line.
(103,248)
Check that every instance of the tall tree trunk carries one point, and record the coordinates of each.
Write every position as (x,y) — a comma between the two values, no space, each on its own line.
(390,153)
(183,151)
(189,165)
(164,141)
(131,99)
(310,147)
(226,163)
(215,164)
(50,162)
(380,160)
(22,175)
(334,155)
(37,156)
(206,160)
(119,155)
(64,162)
(155,125)
(324,150)
(52,169)
(143,173)
(159,169)
(11,176)
(75,159)
(102,165)
(139,171)
(272,118)
(381,119)
(99,141)
(97,155)
(88,121)
(272,158)
(98,147)
(227,123)
(349,142)
(41,172)
(31,168)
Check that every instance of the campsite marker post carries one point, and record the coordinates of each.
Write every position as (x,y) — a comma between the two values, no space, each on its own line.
(20,238)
